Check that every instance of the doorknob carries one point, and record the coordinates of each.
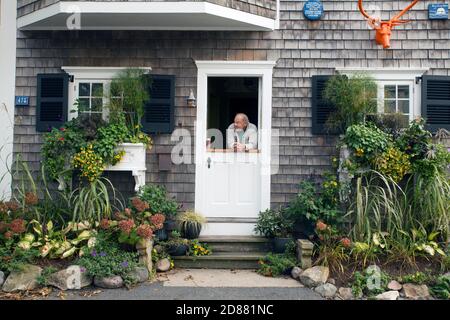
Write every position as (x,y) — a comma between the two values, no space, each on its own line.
(209,162)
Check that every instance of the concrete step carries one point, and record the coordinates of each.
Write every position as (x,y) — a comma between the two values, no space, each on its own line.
(233,244)
(221,260)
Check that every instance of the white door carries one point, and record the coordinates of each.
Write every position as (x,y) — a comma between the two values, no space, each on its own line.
(232,187)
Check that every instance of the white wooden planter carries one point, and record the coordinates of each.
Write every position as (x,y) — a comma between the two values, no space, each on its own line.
(133,160)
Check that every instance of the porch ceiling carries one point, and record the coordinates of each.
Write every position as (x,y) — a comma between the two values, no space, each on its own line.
(143,16)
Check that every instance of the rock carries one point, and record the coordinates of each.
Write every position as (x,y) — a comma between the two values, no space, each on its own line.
(296,272)
(332,281)
(326,290)
(346,293)
(394,285)
(140,273)
(23,280)
(416,292)
(72,278)
(113,282)
(163,265)
(388,295)
(2,278)
(315,276)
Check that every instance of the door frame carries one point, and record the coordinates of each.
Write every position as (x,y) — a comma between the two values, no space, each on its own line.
(260,69)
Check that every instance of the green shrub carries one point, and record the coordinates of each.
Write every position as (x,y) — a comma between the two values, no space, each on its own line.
(353,97)
(43,278)
(366,142)
(441,289)
(107,259)
(274,223)
(273,265)
(417,278)
(370,282)
(159,202)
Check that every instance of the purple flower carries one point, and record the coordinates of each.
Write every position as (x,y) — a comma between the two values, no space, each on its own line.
(82,269)
(124,264)
(102,254)
(94,253)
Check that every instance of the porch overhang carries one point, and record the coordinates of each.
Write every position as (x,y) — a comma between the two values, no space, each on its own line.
(87,15)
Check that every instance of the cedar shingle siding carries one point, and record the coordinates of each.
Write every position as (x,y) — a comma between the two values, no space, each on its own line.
(302,48)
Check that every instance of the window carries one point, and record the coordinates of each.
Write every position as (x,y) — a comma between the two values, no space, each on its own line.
(398,90)
(91,99)
(396,97)
(89,90)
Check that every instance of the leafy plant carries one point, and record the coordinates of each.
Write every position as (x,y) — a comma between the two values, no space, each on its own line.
(417,278)
(274,223)
(129,93)
(441,289)
(13,258)
(198,249)
(157,197)
(43,278)
(366,142)
(273,265)
(370,282)
(353,97)
(393,163)
(106,259)
(92,202)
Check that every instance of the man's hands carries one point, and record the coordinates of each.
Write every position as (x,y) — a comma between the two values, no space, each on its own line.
(239,146)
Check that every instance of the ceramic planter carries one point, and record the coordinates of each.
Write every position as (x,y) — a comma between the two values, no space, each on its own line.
(279,244)
(177,250)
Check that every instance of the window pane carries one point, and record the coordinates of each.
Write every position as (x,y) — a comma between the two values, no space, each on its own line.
(84,90)
(389,92)
(97,89)
(83,104)
(389,106)
(97,104)
(403,92)
(403,106)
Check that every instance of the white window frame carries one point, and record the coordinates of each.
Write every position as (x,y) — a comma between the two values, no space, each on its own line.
(400,76)
(92,75)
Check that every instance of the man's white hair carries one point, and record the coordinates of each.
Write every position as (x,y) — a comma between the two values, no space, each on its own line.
(243,116)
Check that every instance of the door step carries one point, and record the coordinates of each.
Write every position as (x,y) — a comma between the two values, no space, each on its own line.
(221,260)
(228,252)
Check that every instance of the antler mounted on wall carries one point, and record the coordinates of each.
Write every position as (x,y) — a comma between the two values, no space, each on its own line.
(383,28)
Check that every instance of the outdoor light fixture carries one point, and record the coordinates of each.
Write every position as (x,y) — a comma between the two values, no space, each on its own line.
(383,28)
(191,100)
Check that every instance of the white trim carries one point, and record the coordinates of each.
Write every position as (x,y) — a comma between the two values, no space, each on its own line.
(8,12)
(386,73)
(96,73)
(253,21)
(261,69)
(395,74)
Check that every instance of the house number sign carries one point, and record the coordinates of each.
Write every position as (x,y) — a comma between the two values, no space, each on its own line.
(313,10)
(22,101)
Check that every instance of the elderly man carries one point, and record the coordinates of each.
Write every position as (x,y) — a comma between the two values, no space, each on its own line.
(242,135)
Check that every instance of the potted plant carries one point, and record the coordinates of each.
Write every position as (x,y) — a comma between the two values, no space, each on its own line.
(277,225)
(190,224)
(176,246)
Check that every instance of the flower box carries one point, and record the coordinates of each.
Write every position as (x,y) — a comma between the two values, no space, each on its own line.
(133,160)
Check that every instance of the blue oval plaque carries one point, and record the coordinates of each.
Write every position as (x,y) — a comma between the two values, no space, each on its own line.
(313,9)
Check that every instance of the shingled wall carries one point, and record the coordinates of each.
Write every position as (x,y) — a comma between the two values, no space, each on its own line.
(301,48)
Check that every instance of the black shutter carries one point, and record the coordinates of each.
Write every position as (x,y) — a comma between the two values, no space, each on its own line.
(159,110)
(51,101)
(320,108)
(436,102)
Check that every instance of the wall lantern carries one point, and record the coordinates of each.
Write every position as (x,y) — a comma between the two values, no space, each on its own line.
(191,101)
